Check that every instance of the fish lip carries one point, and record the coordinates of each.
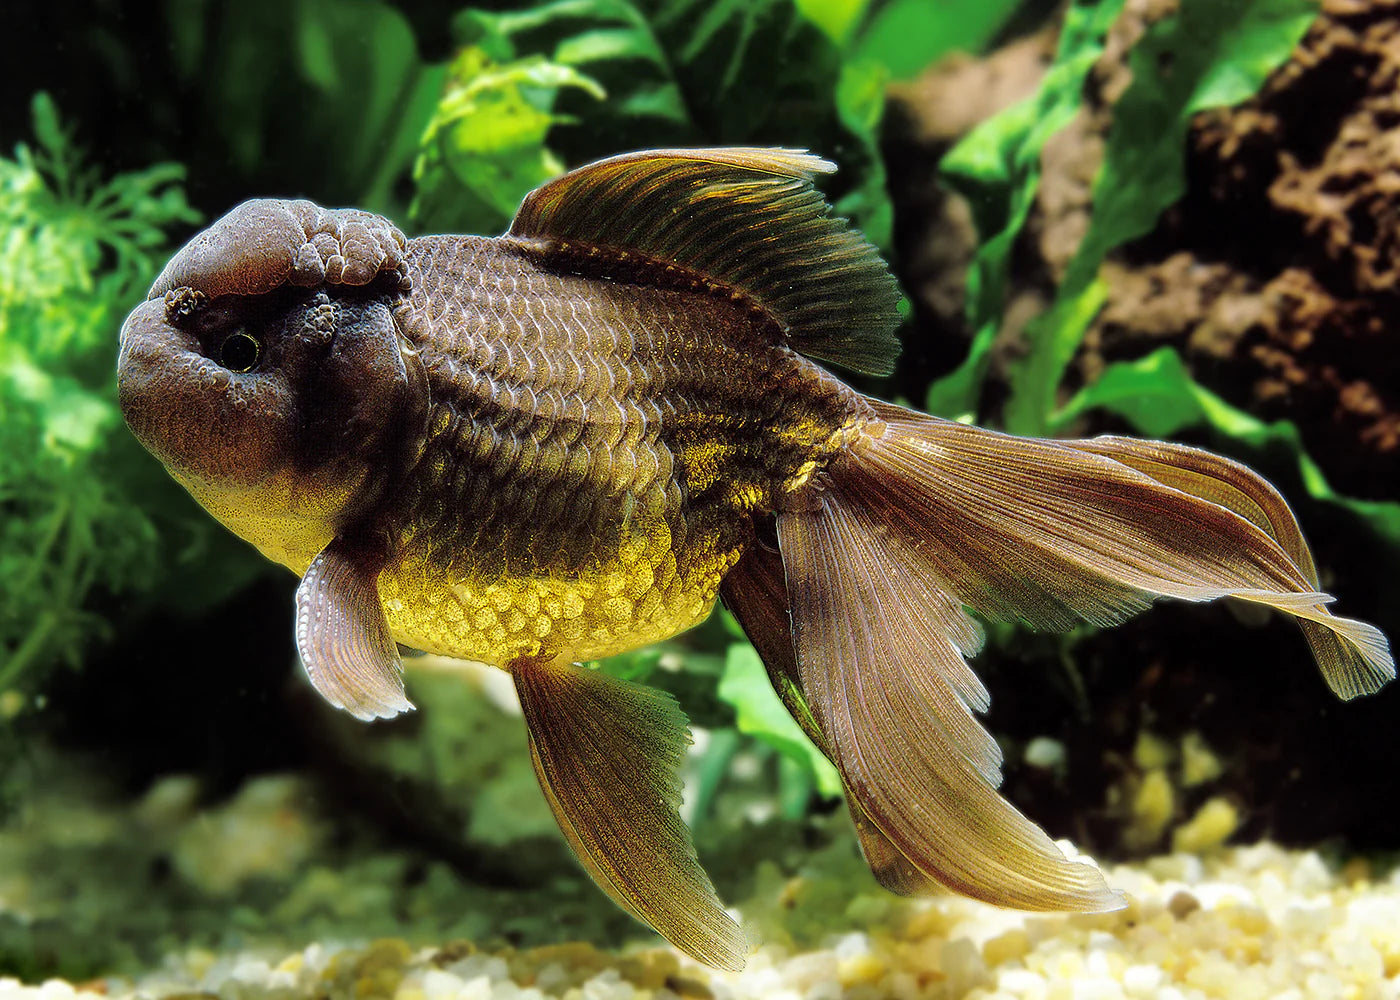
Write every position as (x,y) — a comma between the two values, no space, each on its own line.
(151,351)
(193,414)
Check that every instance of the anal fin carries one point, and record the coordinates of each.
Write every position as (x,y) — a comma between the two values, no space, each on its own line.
(879,647)
(607,754)
(756,592)
(343,636)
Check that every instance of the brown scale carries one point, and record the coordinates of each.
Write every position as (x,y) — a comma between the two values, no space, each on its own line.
(602,459)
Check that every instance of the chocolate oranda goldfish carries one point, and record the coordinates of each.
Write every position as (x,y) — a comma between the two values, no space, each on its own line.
(568,441)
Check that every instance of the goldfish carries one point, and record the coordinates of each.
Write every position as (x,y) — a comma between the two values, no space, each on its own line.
(562,443)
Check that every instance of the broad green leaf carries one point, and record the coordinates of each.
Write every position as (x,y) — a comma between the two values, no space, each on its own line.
(317,49)
(997,168)
(906,36)
(837,18)
(751,71)
(711,769)
(760,713)
(860,103)
(606,44)
(1154,394)
(325,98)
(1210,53)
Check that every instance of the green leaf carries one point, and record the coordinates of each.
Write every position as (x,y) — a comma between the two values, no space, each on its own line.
(1210,53)
(483,150)
(997,168)
(759,712)
(837,18)
(46,128)
(317,48)
(675,72)
(750,70)
(333,90)
(906,36)
(1159,397)
(710,772)
(1154,393)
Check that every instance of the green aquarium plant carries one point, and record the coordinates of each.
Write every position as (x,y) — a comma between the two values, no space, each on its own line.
(1205,55)
(569,81)
(78,525)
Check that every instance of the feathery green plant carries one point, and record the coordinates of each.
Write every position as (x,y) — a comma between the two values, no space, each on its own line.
(76,522)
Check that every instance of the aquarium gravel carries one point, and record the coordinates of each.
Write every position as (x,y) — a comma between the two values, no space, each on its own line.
(1246,922)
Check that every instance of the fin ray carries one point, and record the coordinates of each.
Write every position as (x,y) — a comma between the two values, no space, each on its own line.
(744,217)
(1051,533)
(343,636)
(863,658)
(607,754)
(1353,656)
(755,591)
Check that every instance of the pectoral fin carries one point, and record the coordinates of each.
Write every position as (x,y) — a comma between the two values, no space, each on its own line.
(607,753)
(343,636)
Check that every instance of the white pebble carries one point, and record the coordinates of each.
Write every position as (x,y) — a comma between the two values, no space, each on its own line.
(1141,980)
(476,989)
(1310,874)
(964,967)
(440,985)
(248,970)
(1097,988)
(805,971)
(1022,983)
(1045,753)
(552,978)
(762,982)
(492,967)
(609,985)
(852,946)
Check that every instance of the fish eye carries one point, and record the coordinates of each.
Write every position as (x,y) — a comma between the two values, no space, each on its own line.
(240,351)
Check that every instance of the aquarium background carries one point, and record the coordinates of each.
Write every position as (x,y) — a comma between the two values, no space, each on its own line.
(1176,219)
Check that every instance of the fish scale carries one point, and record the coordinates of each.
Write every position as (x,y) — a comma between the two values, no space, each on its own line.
(594,451)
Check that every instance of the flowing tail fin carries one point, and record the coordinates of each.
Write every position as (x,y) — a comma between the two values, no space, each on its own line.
(925,518)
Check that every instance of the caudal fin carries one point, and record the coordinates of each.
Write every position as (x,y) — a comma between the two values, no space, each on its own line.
(1353,656)
(925,518)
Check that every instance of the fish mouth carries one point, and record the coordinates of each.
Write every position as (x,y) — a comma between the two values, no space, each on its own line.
(203,421)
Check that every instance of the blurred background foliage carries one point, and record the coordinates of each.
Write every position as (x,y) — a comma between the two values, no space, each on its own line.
(442,115)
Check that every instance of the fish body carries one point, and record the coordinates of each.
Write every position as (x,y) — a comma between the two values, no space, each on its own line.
(591,467)
(566,442)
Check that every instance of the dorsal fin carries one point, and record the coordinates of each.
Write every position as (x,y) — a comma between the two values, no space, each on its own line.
(747,218)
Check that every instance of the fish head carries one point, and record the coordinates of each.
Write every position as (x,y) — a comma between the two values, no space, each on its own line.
(267,372)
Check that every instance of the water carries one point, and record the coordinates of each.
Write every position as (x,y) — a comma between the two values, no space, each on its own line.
(181,813)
